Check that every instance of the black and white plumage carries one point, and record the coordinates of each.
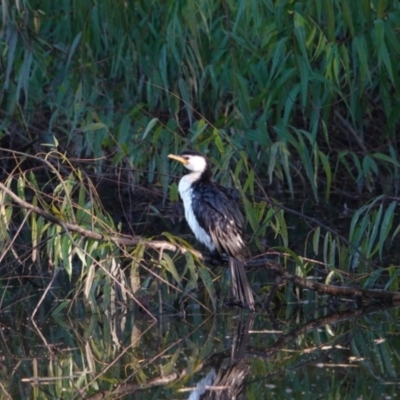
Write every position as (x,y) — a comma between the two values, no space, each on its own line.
(216,221)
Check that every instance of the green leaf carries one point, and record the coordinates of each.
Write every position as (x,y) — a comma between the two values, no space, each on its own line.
(328,173)
(304,78)
(382,4)
(300,32)
(198,129)
(372,278)
(251,215)
(72,50)
(376,220)
(383,53)
(386,158)
(397,230)
(149,127)
(92,127)
(124,134)
(169,265)
(12,36)
(325,252)
(66,247)
(361,48)
(386,226)
(272,159)
(249,183)
(186,99)
(290,101)
(347,15)
(393,282)
(369,165)
(295,257)
(330,16)
(218,141)
(208,283)
(316,237)
(194,276)
(61,306)
(258,136)
(21,187)
(24,74)
(173,192)
(281,223)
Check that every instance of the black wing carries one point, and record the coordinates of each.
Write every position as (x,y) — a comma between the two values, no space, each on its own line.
(218,214)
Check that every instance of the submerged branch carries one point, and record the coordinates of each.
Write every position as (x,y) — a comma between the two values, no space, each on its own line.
(285,339)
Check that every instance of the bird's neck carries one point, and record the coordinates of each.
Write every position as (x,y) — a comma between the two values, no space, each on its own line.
(204,176)
(191,178)
(188,180)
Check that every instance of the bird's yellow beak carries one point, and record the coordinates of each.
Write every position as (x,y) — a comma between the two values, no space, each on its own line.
(179,158)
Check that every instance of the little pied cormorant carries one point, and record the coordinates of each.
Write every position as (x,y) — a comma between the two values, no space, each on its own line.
(216,221)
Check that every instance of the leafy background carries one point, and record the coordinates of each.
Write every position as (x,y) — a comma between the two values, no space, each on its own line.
(295,102)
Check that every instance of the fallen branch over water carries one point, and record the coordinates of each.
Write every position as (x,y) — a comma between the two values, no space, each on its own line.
(340,291)
(116,238)
(160,245)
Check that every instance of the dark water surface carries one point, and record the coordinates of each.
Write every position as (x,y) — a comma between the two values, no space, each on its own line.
(300,352)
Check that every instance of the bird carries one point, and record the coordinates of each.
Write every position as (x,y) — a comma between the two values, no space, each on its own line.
(214,217)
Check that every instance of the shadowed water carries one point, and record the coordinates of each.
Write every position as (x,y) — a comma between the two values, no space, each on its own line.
(300,352)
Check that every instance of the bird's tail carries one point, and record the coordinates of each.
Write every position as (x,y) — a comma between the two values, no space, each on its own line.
(240,288)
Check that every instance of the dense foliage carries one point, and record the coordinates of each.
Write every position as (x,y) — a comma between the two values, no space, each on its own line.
(297,103)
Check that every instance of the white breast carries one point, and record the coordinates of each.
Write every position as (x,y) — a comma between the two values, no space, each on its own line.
(185,190)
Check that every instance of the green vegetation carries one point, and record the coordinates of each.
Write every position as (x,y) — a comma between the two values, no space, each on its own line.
(296,103)
(298,99)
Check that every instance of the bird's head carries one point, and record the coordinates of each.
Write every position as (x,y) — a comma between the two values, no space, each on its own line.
(192,160)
